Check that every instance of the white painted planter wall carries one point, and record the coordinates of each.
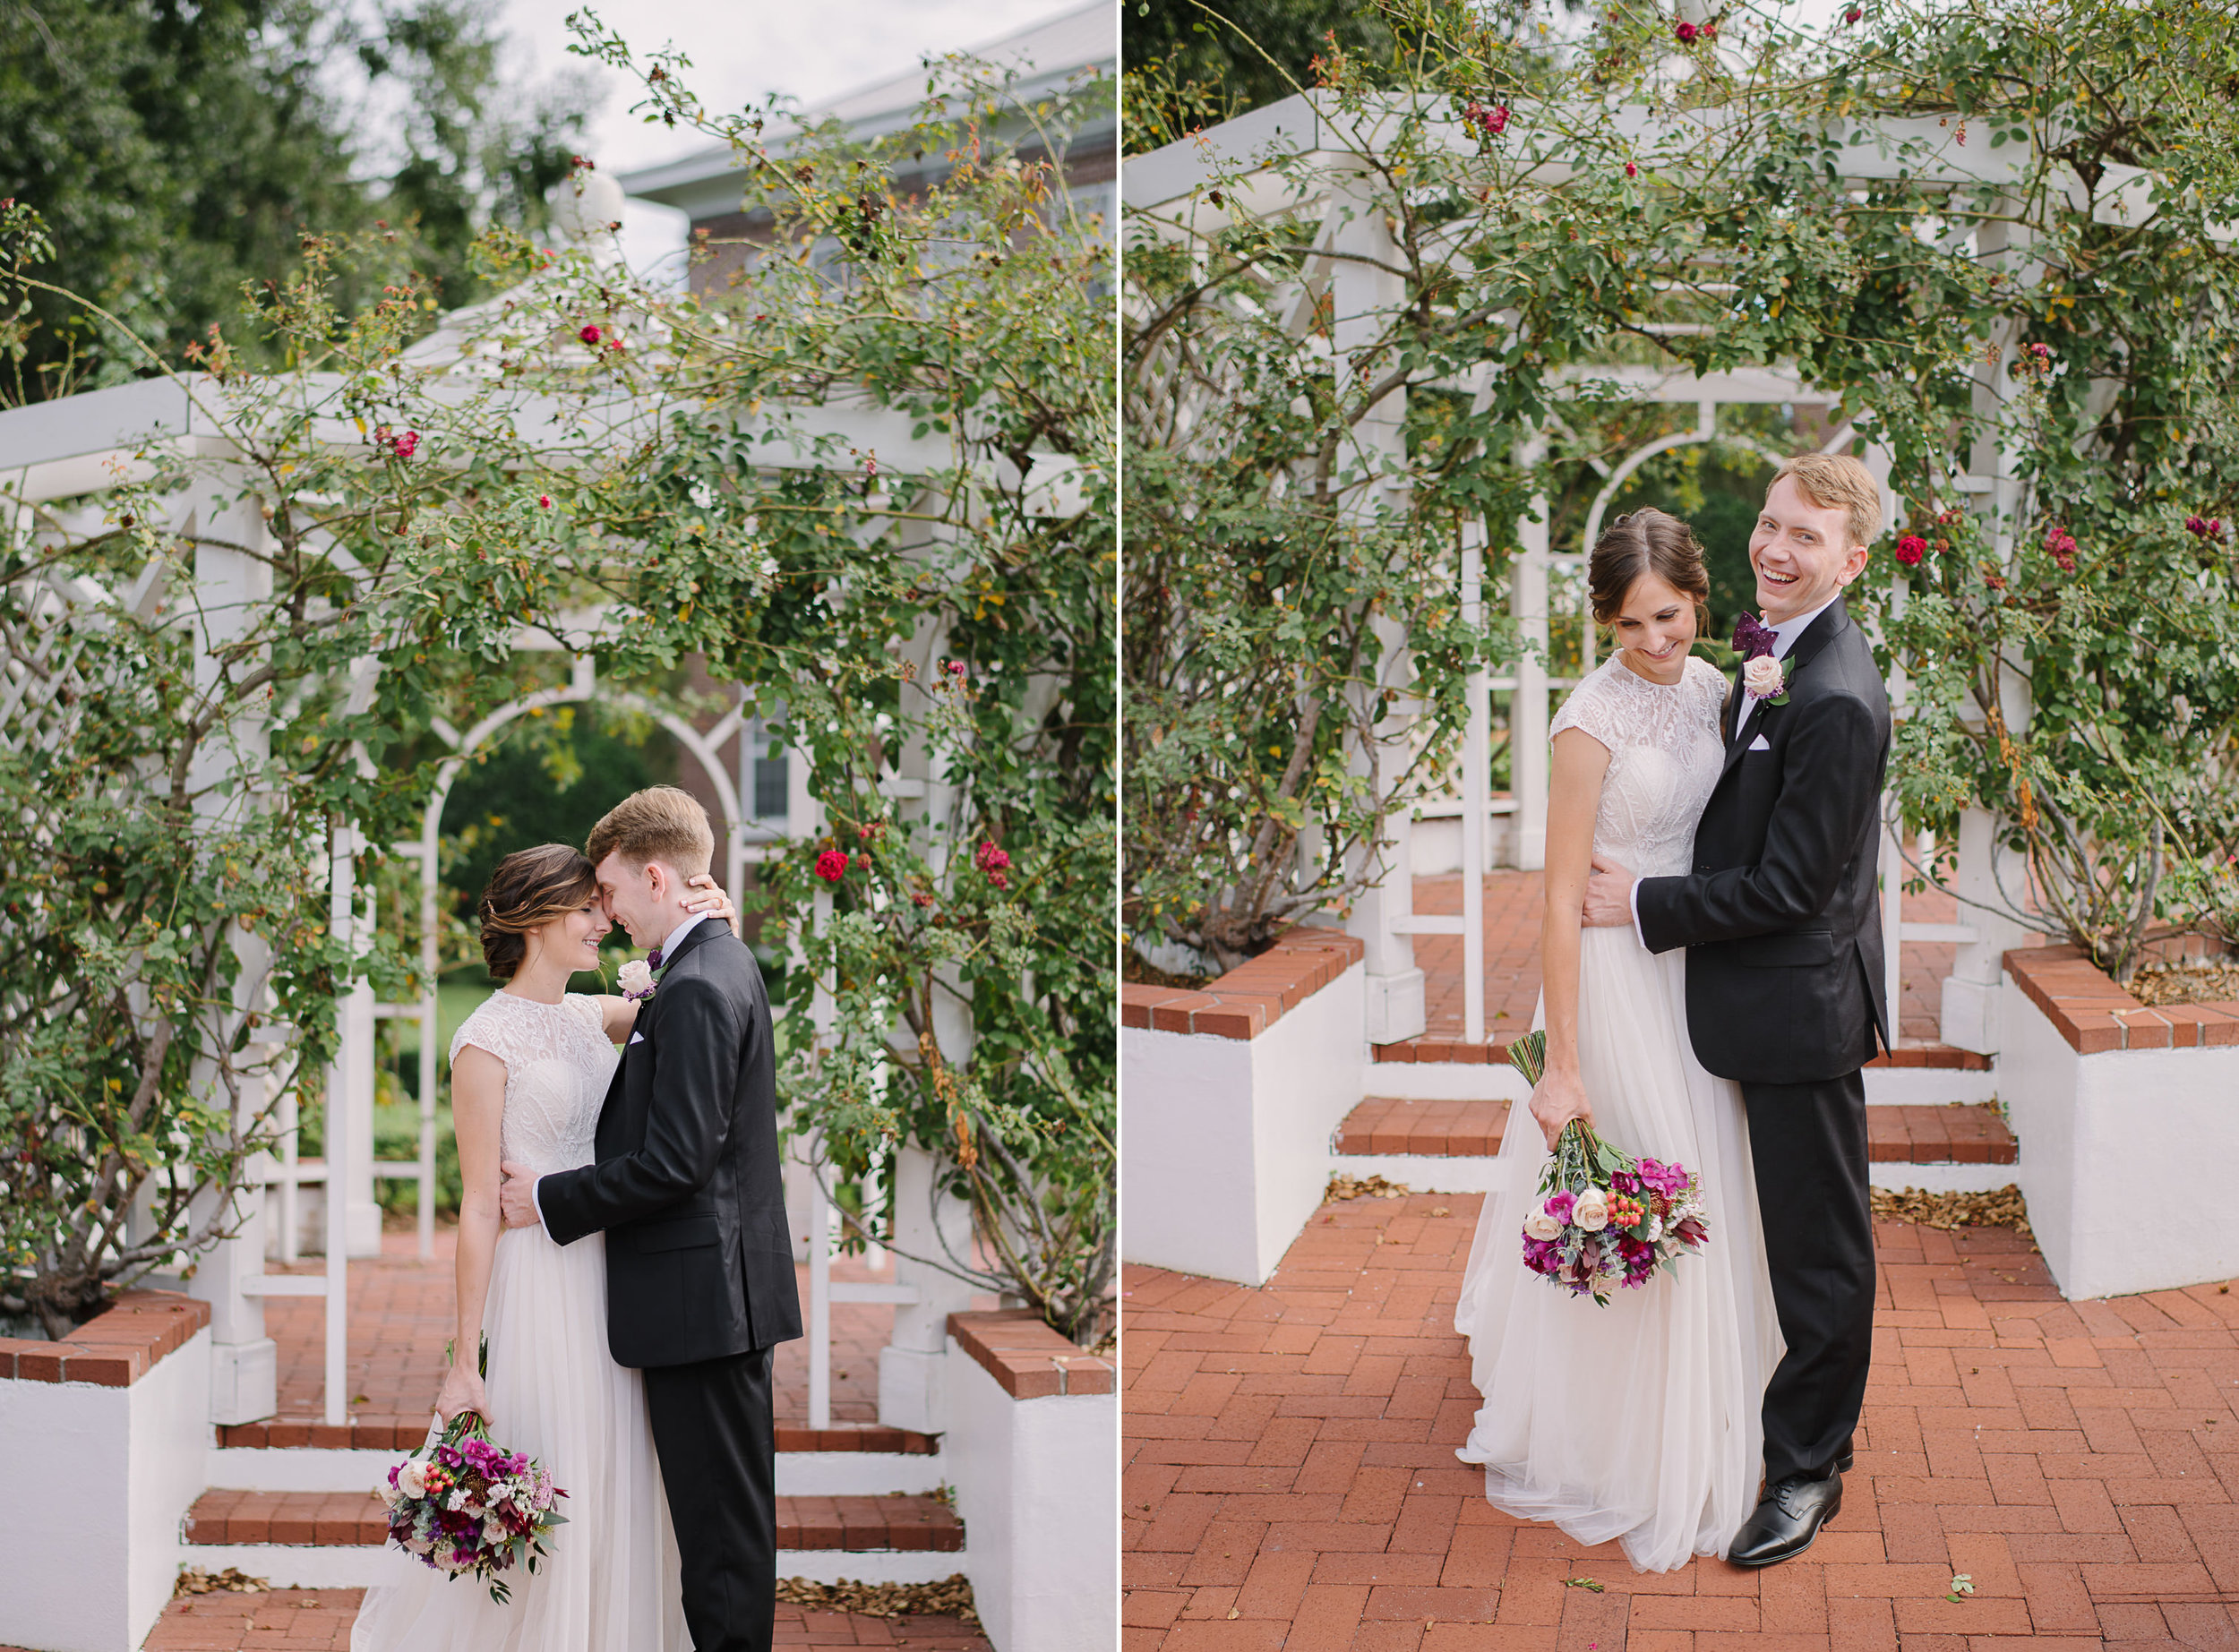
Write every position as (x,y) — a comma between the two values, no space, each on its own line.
(1225,1153)
(1037,1485)
(98,1479)
(2103,1139)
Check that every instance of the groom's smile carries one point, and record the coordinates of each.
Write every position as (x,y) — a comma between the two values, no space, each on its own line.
(1801,554)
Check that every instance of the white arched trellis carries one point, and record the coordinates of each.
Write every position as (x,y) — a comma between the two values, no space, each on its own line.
(581,688)
(71,450)
(1304,158)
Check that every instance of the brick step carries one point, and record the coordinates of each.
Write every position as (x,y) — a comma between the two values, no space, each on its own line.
(357,1520)
(379,1432)
(1383,1127)
(1445,1050)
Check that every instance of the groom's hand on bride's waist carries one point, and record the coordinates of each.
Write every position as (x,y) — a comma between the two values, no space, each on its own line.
(1608,896)
(516,1197)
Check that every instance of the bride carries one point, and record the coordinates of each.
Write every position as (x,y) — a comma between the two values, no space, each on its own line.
(529,1070)
(1640,1421)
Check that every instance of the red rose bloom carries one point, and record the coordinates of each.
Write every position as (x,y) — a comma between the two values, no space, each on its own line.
(1684,31)
(831,866)
(591,334)
(1911,549)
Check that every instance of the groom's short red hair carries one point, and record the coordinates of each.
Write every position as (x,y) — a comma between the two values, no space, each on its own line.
(660,823)
(1837,481)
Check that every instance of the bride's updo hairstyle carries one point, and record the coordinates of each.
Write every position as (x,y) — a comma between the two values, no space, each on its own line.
(529,889)
(1644,542)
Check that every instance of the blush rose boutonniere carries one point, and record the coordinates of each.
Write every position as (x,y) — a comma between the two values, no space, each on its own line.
(635,979)
(1766,679)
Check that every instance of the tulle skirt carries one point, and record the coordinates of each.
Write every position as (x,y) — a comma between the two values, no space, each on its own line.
(1639,1421)
(609,1581)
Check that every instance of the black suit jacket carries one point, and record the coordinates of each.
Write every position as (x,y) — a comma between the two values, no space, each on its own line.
(1782,916)
(686,1186)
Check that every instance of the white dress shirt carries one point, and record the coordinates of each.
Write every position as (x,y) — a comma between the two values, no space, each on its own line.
(1784,636)
(667,950)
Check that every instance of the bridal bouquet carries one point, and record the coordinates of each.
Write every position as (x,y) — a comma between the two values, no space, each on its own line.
(1604,1219)
(464,1505)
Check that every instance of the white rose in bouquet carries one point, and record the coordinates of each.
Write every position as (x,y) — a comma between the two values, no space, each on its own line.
(412,1478)
(1540,1225)
(1591,1210)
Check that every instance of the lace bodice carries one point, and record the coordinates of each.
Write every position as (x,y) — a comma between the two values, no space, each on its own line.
(557,1066)
(1665,755)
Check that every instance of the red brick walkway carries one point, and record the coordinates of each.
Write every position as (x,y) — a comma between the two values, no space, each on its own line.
(401,1316)
(1511,959)
(1290,1482)
(303,1620)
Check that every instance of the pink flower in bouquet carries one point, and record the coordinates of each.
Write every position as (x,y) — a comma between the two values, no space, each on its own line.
(1559,1206)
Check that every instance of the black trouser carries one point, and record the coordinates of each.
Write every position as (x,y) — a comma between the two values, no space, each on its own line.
(1808,1143)
(711,1427)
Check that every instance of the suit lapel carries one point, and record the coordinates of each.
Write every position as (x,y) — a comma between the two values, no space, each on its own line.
(693,936)
(1830,625)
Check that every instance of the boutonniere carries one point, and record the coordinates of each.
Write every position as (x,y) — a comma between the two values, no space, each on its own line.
(1766,679)
(636,980)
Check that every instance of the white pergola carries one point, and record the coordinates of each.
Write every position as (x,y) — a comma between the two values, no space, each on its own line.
(1303,159)
(58,457)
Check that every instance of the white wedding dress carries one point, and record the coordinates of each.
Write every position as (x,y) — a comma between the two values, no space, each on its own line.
(1638,1421)
(609,1581)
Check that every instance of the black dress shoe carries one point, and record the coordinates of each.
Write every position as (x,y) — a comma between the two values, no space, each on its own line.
(1843,1465)
(1786,1522)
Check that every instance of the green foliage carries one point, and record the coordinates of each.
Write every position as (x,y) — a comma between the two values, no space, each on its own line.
(953,622)
(1192,64)
(1685,207)
(180,153)
(706,475)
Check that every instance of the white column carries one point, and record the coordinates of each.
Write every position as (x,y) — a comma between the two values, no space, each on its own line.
(229,584)
(1972,991)
(1989,871)
(1477,789)
(1363,299)
(912,1394)
(358,1025)
(340,1134)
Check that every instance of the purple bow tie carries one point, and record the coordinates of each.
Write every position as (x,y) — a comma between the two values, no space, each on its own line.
(1754,638)
(653,959)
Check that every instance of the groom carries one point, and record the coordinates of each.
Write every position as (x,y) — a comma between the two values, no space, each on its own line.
(700,1280)
(1782,925)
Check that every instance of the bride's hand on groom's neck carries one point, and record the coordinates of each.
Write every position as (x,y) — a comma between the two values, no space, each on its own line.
(711,901)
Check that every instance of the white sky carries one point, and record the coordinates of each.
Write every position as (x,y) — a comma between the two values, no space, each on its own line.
(811,50)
